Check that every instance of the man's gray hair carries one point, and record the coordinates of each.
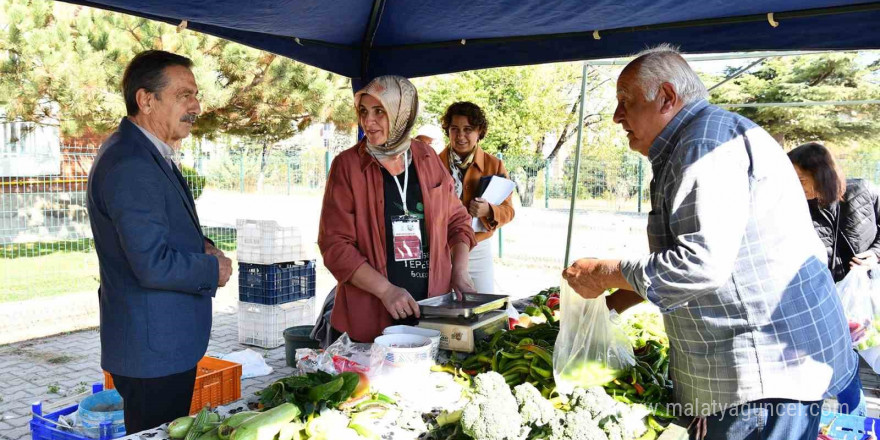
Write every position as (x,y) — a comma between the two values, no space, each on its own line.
(662,64)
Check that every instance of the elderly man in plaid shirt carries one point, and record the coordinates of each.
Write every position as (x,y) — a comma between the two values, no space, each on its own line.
(757,332)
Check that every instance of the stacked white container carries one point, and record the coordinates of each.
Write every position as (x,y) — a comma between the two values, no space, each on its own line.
(274,293)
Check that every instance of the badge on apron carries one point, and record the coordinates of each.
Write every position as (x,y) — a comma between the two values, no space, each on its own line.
(407,235)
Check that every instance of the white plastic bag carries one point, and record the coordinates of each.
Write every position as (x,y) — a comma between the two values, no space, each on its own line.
(591,348)
(252,363)
(860,298)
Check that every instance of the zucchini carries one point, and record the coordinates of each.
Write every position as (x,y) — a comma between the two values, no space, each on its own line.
(210,435)
(290,431)
(232,422)
(196,429)
(266,425)
(179,427)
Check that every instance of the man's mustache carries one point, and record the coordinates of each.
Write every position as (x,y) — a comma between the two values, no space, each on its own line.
(189,117)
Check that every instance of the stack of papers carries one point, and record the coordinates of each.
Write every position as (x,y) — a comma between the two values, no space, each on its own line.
(495,189)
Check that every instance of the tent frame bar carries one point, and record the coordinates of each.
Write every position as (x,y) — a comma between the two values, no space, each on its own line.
(752,18)
(370,35)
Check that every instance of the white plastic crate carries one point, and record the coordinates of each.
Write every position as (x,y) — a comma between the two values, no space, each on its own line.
(266,242)
(263,325)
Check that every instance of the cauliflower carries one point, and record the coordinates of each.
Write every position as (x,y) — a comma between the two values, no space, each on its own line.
(613,431)
(533,407)
(619,420)
(492,413)
(576,425)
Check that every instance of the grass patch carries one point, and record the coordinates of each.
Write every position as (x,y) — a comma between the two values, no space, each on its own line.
(48,275)
(39,249)
(58,360)
(46,269)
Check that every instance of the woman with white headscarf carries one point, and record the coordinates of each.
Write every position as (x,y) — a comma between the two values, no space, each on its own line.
(392,231)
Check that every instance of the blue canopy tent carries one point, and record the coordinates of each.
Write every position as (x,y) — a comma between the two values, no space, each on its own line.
(362,39)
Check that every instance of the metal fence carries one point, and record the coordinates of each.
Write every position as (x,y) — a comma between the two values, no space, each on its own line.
(46,244)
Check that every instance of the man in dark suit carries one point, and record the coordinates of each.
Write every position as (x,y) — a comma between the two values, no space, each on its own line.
(158,272)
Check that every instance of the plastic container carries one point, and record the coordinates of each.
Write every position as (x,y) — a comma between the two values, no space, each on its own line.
(296,338)
(275,284)
(263,325)
(266,242)
(98,408)
(218,382)
(406,352)
(433,335)
(46,427)
(848,426)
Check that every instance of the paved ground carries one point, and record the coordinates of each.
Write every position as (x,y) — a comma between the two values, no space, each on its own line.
(50,368)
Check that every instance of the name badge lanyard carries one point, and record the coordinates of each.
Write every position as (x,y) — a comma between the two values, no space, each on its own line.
(403,189)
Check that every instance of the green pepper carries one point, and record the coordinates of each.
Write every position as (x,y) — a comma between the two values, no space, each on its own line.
(539,300)
(533,311)
(623,399)
(514,355)
(541,352)
(544,373)
(548,313)
(654,424)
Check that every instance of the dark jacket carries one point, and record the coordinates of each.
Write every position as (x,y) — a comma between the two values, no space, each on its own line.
(859,214)
(156,280)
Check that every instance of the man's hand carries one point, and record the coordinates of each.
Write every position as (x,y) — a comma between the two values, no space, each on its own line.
(211,250)
(399,302)
(479,208)
(462,283)
(590,277)
(867,258)
(225,271)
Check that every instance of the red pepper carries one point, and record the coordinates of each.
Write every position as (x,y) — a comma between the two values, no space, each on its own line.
(639,389)
(553,303)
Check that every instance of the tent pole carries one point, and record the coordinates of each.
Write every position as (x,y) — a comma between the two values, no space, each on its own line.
(577,163)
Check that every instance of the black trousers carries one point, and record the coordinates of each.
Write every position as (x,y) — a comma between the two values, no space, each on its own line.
(154,401)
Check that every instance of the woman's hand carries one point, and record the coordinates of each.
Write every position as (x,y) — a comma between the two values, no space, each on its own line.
(399,302)
(867,258)
(479,208)
(462,283)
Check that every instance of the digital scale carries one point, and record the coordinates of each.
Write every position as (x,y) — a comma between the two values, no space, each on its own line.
(463,323)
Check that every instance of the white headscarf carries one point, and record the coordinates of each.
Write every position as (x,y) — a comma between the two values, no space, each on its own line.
(401,102)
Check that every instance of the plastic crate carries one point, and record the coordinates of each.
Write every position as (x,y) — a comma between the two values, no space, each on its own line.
(264,325)
(266,242)
(45,426)
(218,382)
(848,426)
(275,284)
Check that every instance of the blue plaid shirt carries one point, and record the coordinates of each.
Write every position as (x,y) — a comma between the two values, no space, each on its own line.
(737,269)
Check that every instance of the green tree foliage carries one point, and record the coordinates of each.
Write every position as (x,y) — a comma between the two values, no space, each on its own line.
(825,77)
(532,112)
(64,63)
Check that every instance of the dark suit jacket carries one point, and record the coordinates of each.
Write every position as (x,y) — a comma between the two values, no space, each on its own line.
(156,280)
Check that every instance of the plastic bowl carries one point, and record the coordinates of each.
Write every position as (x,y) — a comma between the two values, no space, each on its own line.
(433,335)
(406,351)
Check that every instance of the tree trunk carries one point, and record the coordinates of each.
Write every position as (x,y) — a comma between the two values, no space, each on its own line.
(262,174)
(525,187)
(780,137)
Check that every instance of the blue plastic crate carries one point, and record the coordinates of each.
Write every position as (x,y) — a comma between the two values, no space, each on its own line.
(849,427)
(45,426)
(273,284)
